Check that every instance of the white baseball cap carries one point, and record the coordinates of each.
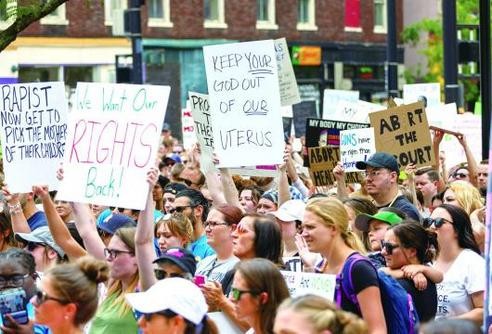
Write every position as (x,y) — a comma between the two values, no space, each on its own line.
(175,294)
(291,210)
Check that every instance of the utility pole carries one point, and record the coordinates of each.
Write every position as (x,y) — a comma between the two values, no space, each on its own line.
(391,51)
(485,74)
(135,25)
(450,41)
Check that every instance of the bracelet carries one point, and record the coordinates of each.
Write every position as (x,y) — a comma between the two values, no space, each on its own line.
(15,209)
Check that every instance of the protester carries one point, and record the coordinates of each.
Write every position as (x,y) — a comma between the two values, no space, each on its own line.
(249,198)
(325,229)
(381,183)
(68,295)
(257,291)
(356,205)
(169,195)
(172,306)
(175,262)
(268,202)
(483,177)
(310,314)
(7,238)
(461,291)
(289,217)
(173,230)
(427,181)
(23,212)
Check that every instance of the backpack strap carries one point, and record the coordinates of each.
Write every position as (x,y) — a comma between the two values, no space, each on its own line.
(344,280)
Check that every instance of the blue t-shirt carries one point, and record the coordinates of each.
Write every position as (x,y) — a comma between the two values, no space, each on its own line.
(38,219)
(200,248)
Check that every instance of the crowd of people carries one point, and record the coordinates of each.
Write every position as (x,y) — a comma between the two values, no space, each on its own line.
(212,245)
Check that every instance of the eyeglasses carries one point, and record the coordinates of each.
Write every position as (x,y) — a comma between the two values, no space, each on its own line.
(388,246)
(437,222)
(13,280)
(460,175)
(373,173)
(213,225)
(180,209)
(42,297)
(113,253)
(162,274)
(236,293)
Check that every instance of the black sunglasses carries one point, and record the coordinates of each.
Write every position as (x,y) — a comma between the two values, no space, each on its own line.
(180,209)
(42,297)
(162,274)
(437,222)
(388,246)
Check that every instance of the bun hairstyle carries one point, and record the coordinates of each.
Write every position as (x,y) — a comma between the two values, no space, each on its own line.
(77,283)
(413,235)
(324,315)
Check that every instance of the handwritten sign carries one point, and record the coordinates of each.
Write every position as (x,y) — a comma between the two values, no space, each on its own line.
(245,102)
(112,141)
(293,263)
(200,108)
(430,92)
(322,160)
(300,284)
(289,93)
(333,96)
(33,131)
(321,132)
(188,127)
(404,132)
(356,145)
(355,111)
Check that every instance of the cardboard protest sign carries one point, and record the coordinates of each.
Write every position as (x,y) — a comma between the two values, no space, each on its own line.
(321,132)
(112,141)
(245,103)
(356,145)
(289,93)
(188,127)
(404,132)
(331,97)
(428,92)
(302,111)
(33,131)
(300,284)
(322,160)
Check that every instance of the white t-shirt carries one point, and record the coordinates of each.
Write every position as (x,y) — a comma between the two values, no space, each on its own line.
(465,277)
(214,269)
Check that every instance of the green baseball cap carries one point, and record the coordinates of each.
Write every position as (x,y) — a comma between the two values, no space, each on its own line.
(363,220)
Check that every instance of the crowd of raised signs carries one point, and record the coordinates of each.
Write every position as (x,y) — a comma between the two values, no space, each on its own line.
(213,252)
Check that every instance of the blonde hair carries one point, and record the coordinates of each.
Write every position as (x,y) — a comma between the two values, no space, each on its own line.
(179,225)
(77,283)
(324,315)
(333,213)
(467,196)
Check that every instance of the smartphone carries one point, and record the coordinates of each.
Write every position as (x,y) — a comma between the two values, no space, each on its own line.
(200,280)
(14,303)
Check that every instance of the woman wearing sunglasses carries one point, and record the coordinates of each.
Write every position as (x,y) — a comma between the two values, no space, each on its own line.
(407,249)
(68,295)
(461,291)
(257,291)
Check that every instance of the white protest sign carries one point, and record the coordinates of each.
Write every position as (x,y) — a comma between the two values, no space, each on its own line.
(331,97)
(112,141)
(188,127)
(310,283)
(414,92)
(33,120)
(287,111)
(289,93)
(356,145)
(245,103)
(357,112)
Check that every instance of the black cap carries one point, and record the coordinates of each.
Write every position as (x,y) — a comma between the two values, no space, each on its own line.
(181,257)
(174,188)
(379,160)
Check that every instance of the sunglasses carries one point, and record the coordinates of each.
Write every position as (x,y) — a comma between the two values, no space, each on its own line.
(42,297)
(237,293)
(162,274)
(389,247)
(120,210)
(180,209)
(437,222)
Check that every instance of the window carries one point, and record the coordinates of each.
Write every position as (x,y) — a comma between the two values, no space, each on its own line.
(352,15)
(56,17)
(213,12)
(8,13)
(306,17)
(265,14)
(380,16)
(113,7)
(159,13)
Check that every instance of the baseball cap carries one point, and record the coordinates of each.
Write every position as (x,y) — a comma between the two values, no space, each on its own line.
(41,235)
(181,257)
(175,294)
(291,210)
(172,157)
(115,221)
(379,160)
(166,127)
(363,220)
(174,188)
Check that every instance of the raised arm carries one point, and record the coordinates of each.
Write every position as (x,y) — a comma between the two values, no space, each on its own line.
(470,159)
(144,237)
(19,221)
(436,141)
(57,226)
(230,191)
(86,225)
(339,174)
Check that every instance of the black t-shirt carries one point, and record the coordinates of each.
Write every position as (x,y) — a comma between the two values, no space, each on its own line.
(363,276)
(425,301)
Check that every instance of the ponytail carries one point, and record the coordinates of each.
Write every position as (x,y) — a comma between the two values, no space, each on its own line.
(353,241)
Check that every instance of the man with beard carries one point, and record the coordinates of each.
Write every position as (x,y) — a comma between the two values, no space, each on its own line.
(382,183)
(194,205)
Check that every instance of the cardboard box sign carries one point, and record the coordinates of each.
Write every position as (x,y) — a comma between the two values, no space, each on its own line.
(404,132)
(322,160)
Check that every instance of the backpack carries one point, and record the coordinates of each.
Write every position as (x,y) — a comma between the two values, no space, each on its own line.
(399,311)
